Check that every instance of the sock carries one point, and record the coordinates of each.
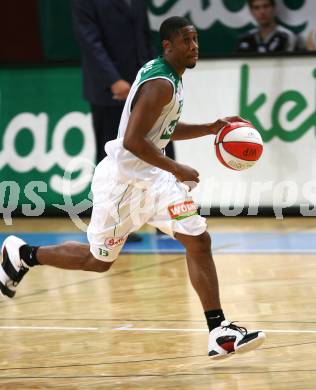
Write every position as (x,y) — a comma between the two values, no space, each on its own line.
(214,318)
(28,255)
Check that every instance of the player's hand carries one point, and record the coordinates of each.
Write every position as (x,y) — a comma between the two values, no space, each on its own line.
(220,123)
(236,118)
(120,89)
(187,175)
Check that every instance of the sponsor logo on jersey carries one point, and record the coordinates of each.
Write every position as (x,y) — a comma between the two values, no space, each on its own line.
(182,210)
(113,242)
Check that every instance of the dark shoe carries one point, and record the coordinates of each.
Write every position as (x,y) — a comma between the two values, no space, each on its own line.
(229,338)
(13,267)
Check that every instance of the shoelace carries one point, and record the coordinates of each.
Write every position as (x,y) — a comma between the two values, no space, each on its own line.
(13,283)
(239,329)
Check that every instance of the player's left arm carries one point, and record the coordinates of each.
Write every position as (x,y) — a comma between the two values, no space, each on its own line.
(185,131)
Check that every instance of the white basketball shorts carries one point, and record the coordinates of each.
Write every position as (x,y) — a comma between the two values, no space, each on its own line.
(120,209)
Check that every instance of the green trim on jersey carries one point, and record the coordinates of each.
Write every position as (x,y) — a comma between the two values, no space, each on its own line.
(159,68)
(187,215)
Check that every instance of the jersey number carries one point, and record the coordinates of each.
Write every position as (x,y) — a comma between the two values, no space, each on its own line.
(169,130)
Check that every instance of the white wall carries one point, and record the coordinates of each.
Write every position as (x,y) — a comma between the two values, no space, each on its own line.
(286,173)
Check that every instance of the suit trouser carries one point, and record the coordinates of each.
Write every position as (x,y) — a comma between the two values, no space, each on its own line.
(106,120)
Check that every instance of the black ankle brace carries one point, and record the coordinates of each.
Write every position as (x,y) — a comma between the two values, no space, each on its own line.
(28,255)
(214,318)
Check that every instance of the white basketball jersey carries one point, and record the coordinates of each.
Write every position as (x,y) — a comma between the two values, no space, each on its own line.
(129,167)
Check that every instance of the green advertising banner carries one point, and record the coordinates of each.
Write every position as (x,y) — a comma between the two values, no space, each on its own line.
(47,148)
(57,36)
(220,22)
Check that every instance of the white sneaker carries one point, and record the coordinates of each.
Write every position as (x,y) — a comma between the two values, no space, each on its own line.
(13,268)
(230,338)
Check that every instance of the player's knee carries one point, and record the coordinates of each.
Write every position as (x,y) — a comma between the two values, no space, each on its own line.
(96,265)
(201,243)
(99,266)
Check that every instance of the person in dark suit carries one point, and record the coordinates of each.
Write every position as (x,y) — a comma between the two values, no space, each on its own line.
(114,40)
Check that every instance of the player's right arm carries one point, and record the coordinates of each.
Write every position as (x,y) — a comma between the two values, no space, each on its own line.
(148,104)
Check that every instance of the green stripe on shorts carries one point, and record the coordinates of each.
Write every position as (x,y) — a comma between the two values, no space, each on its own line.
(186,215)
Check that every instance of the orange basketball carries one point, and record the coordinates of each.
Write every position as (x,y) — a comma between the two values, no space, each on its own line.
(238,146)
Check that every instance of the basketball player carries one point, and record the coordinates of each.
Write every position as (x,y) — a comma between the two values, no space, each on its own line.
(137,184)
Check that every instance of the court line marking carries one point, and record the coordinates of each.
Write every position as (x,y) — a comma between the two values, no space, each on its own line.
(63,328)
(129,327)
(131,320)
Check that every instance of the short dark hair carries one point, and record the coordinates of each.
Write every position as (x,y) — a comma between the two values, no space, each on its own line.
(250,3)
(171,26)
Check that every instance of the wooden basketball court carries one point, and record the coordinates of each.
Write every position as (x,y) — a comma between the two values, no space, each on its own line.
(141,325)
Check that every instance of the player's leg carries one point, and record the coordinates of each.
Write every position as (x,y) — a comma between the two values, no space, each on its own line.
(225,337)
(176,215)
(202,269)
(71,255)
(18,257)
